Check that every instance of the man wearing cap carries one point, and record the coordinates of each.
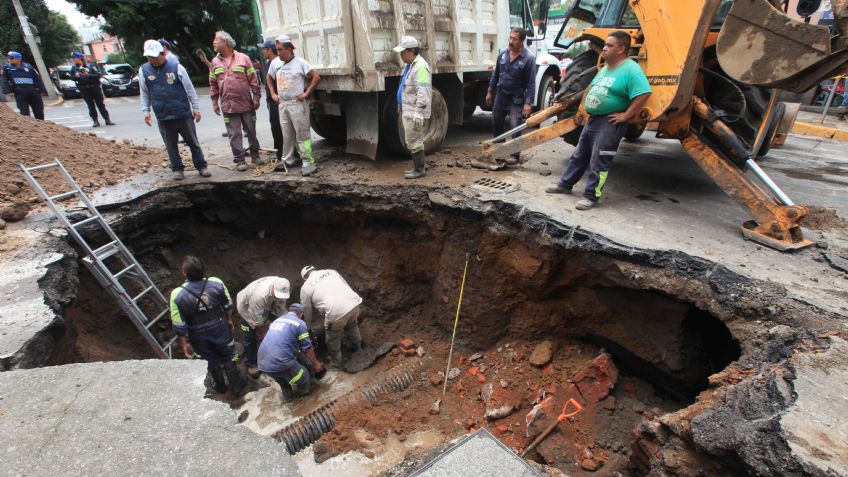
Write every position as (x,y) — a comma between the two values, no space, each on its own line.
(24,82)
(269,53)
(512,88)
(287,355)
(169,55)
(414,96)
(87,77)
(166,86)
(258,304)
(235,90)
(286,77)
(326,292)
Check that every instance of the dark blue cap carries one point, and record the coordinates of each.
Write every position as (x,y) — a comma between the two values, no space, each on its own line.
(77,54)
(15,54)
(267,44)
(165,43)
(296,307)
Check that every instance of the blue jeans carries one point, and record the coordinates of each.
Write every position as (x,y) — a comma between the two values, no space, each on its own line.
(506,117)
(596,149)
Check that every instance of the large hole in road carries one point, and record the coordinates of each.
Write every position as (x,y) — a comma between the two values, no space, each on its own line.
(405,255)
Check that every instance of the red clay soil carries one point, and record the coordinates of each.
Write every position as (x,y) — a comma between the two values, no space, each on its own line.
(93,162)
(598,436)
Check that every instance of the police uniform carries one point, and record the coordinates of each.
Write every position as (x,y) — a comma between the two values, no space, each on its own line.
(89,87)
(26,84)
(198,312)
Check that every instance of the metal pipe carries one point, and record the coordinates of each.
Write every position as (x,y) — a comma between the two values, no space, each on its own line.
(829,99)
(765,179)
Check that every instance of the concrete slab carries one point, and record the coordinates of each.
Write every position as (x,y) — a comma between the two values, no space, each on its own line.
(479,454)
(126,418)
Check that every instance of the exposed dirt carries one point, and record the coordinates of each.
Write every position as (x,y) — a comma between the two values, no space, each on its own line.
(823,218)
(93,162)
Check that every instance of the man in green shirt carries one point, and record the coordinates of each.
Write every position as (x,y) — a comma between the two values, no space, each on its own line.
(617,94)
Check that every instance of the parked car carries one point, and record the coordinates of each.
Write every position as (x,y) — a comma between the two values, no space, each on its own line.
(61,77)
(119,79)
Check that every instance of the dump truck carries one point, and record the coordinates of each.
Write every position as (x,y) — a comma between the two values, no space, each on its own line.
(349,43)
(716,68)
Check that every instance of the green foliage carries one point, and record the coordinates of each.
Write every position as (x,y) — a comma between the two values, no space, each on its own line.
(187,24)
(58,38)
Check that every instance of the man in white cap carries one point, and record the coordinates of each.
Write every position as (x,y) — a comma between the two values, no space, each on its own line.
(414,97)
(338,308)
(166,86)
(286,77)
(261,302)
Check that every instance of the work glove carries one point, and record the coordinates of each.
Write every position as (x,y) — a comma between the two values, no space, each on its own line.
(419,121)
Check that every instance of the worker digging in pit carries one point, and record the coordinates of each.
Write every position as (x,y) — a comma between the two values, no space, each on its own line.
(202,318)
(286,78)
(337,306)
(287,355)
(258,304)
(616,96)
(414,98)
(512,89)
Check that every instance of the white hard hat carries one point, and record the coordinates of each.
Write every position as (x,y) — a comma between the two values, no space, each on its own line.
(405,43)
(281,288)
(153,48)
(306,271)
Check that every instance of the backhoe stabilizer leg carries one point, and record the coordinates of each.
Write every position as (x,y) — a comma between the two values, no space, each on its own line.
(774,225)
(493,152)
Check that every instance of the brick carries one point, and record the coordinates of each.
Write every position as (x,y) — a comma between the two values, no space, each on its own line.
(409,352)
(406,344)
(473,371)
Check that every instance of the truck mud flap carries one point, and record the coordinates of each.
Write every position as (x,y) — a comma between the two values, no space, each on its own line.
(363,130)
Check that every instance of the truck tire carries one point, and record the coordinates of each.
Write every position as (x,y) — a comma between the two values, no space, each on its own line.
(572,82)
(547,91)
(331,128)
(391,128)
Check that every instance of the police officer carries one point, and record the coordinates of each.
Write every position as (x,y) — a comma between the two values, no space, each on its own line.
(87,78)
(25,83)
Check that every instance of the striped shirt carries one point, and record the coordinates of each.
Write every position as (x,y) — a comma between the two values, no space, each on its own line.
(234,82)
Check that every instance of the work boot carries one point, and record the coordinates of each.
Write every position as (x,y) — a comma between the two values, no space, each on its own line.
(109,122)
(584,204)
(293,162)
(417,166)
(204,172)
(557,189)
(235,378)
(513,159)
(241,166)
(257,161)
(309,168)
(95,124)
(287,392)
(218,383)
(178,175)
(253,372)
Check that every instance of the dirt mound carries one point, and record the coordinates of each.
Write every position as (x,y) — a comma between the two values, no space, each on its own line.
(93,162)
(822,218)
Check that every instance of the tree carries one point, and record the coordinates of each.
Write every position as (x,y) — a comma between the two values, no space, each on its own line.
(58,37)
(187,24)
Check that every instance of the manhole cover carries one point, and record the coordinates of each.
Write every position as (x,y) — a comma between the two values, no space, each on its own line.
(488,184)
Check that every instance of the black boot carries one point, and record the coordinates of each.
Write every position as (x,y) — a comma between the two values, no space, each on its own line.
(417,166)
(95,124)
(109,122)
(237,381)
(218,383)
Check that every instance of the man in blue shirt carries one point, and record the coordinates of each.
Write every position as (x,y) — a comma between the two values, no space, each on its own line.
(202,318)
(87,77)
(285,350)
(25,83)
(512,87)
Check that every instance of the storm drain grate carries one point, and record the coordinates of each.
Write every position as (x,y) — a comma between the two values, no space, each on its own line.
(488,184)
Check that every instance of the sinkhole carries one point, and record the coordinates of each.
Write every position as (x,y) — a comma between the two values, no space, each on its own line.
(530,283)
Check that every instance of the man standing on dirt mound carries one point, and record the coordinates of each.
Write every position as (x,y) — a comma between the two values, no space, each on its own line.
(512,88)
(286,78)
(326,292)
(87,77)
(235,91)
(414,98)
(286,354)
(258,304)
(202,318)
(616,95)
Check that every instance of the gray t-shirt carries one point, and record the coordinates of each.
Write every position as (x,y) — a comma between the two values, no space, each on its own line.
(290,77)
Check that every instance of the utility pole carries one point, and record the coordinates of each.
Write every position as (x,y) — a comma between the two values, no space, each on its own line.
(33,47)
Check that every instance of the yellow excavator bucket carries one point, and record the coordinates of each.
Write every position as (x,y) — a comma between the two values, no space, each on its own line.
(760,45)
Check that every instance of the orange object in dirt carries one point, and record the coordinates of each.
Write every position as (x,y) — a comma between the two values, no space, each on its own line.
(565,415)
(473,371)
(481,379)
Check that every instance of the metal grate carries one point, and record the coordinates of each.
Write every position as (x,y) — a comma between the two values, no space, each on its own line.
(488,184)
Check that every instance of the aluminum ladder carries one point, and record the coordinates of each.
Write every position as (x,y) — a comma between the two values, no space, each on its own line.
(130,271)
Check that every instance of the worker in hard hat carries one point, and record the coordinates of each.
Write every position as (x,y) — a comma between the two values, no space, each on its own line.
(287,355)
(260,303)
(337,306)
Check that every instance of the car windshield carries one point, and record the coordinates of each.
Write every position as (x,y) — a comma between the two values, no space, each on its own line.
(125,70)
(64,74)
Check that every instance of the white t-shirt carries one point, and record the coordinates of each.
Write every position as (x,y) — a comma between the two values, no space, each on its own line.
(290,77)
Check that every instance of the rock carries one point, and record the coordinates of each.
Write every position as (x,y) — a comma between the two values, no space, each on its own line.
(500,402)
(402,437)
(504,383)
(321,451)
(468,423)
(436,379)
(475,357)
(2,224)
(473,371)
(420,351)
(544,173)
(15,211)
(541,354)
(368,453)
(436,407)
(13,189)
(406,344)
(453,373)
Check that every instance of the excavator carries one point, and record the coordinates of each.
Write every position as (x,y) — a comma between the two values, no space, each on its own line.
(717,69)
